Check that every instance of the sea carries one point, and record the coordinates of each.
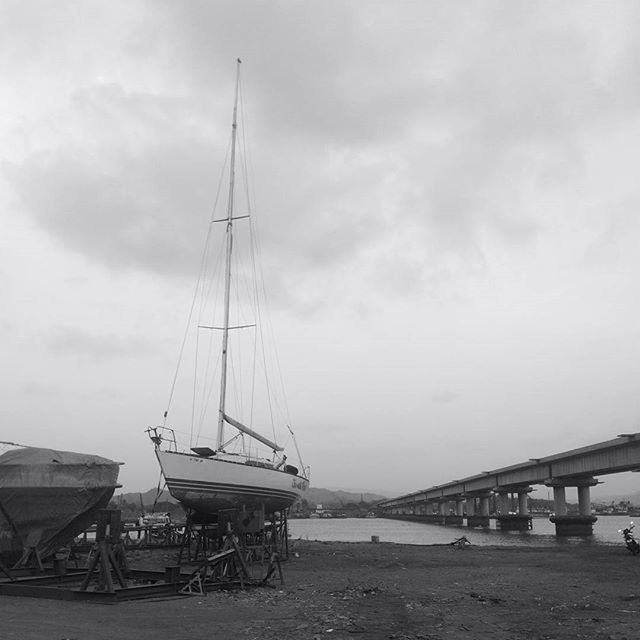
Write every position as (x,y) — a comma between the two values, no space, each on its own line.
(605,531)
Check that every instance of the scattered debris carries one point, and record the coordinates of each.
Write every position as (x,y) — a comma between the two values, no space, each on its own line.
(460,543)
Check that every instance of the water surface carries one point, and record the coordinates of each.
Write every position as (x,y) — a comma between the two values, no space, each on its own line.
(605,531)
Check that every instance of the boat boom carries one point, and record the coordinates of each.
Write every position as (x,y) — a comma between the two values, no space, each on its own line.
(252,433)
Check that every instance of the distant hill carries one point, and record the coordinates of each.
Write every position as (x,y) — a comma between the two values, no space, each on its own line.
(148,497)
(313,496)
(328,498)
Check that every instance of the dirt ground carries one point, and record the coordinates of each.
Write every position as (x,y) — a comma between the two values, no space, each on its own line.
(378,591)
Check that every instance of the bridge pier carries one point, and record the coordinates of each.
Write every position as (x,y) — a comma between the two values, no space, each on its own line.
(470,505)
(434,518)
(457,517)
(479,521)
(420,508)
(428,514)
(572,525)
(507,520)
(478,509)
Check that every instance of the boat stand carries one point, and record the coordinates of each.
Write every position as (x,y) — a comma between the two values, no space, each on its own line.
(248,543)
(109,553)
(203,535)
(280,526)
(262,537)
(107,563)
(248,554)
(5,570)
(258,536)
(30,560)
(223,569)
(262,542)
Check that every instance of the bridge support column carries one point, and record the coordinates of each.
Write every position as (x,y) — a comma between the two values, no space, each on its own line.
(572,525)
(485,506)
(584,500)
(470,506)
(508,520)
(523,501)
(481,518)
(504,501)
(457,517)
(435,512)
(559,500)
(430,515)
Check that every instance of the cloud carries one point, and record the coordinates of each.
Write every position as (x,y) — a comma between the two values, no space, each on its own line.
(393,149)
(125,185)
(617,236)
(74,342)
(444,397)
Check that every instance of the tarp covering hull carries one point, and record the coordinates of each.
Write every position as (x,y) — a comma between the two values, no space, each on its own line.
(48,497)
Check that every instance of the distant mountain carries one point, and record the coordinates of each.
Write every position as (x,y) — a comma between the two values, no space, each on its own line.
(313,496)
(328,498)
(148,497)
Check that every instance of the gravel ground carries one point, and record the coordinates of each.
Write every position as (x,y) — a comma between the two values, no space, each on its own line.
(379,591)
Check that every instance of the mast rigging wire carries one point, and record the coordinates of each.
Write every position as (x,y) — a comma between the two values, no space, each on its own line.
(195,295)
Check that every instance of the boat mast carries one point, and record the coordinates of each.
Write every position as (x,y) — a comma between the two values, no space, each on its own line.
(229,247)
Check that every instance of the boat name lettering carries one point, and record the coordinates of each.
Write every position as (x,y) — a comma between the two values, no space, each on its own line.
(300,484)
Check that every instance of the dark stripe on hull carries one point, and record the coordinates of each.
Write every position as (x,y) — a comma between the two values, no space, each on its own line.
(211,497)
(209,487)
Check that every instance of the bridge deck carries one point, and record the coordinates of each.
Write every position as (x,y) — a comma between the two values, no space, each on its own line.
(612,456)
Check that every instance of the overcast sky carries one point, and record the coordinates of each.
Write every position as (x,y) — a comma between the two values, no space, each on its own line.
(448,198)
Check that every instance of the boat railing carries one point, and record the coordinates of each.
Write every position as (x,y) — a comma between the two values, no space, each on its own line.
(161,434)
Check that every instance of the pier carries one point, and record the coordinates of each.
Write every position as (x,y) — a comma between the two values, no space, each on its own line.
(508,489)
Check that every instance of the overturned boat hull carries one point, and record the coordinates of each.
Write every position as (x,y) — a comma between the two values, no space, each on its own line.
(48,497)
(211,484)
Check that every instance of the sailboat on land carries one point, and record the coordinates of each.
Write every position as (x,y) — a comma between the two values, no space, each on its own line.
(243,469)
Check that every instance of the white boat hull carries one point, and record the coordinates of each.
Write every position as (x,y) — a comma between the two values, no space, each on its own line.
(209,485)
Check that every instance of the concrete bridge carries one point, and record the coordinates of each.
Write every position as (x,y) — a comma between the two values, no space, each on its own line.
(470,497)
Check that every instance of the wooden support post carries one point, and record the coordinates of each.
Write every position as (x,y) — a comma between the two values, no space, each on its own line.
(274,563)
(31,559)
(6,571)
(186,538)
(105,560)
